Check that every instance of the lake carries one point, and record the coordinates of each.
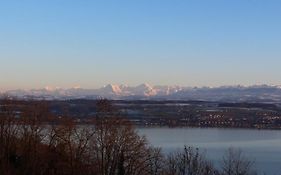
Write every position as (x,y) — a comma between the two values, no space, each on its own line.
(262,146)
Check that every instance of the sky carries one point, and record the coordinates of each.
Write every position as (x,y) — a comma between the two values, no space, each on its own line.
(90,43)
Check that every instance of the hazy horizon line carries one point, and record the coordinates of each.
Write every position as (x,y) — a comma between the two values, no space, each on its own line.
(123,84)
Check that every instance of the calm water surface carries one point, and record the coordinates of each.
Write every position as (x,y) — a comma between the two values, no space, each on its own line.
(262,146)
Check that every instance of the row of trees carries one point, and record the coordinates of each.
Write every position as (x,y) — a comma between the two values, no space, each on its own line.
(35,142)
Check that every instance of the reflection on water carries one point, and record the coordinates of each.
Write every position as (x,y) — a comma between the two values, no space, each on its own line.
(262,146)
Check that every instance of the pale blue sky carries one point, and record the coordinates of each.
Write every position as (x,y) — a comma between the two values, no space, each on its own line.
(185,42)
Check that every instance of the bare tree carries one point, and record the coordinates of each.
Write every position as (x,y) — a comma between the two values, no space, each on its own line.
(188,162)
(235,163)
(117,148)
(156,161)
(116,141)
(8,135)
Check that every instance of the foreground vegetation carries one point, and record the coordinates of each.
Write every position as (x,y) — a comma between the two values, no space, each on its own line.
(35,142)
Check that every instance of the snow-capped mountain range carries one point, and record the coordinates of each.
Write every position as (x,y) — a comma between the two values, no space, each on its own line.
(265,93)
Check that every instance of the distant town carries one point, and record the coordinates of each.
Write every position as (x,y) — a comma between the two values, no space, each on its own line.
(144,113)
(172,113)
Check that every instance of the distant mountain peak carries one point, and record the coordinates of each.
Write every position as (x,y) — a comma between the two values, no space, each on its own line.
(49,88)
(110,88)
(145,90)
(145,85)
(266,93)
(76,87)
